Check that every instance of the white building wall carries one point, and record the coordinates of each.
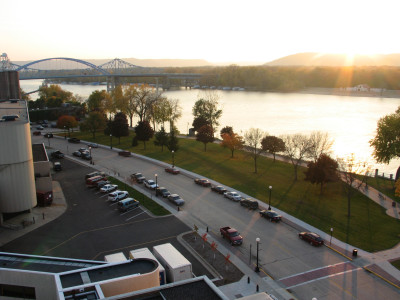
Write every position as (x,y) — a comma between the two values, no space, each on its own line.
(17,180)
(44,284)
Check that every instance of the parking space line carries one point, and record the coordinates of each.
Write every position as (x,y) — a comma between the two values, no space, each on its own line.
(135,216)
(129,211)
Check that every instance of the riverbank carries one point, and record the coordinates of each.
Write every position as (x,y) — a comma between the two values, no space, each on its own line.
(342,92)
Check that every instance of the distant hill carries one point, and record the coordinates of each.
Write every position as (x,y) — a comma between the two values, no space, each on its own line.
(336,60)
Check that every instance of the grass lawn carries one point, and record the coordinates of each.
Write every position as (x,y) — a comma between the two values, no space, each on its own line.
(368,228)
(396,264)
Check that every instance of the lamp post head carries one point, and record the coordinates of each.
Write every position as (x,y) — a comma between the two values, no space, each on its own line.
(173,151)
(155,175)
(258,240)
(270,187)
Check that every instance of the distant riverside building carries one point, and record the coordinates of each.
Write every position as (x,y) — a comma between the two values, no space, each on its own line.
(364,88)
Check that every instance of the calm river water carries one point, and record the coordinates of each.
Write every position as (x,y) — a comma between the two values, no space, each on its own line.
(350,121)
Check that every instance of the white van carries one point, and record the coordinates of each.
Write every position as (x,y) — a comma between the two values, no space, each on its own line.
(127,204)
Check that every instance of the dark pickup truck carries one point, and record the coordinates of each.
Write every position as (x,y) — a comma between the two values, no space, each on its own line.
(232,234)
(138,177)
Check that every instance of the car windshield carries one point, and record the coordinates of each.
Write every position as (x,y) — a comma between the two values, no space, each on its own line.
(175,197)
(234,233)
(273,214)
(163,190)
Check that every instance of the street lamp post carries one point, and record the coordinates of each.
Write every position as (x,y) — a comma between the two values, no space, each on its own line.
(156,184)
(65,133)
(110,140)
(90,153)
(257,267)
(173,158)
(269,203)
(330,242)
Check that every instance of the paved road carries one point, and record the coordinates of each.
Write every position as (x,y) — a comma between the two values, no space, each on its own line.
(306,270)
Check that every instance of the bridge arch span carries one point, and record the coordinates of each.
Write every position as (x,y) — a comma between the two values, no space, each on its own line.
(102,71)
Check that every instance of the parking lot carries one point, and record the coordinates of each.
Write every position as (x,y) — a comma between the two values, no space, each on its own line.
(93,227)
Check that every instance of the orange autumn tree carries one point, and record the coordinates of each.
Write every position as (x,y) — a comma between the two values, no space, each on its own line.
(67,122)
(232,141)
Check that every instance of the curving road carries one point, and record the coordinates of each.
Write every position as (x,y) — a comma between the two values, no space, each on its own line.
(305,270)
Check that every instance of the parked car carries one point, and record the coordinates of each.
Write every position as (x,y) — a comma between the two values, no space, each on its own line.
(150,184)
(202,182)
(48,135)
(219,189)
(250,203)
(57,154)
(74,140)
(40,127)
(82,150)
(86,155)
(93,145)
(101,183)
(232,196)
(271,215)
(57,166)
(232,235)
(138,177)
(108,188)
(117,195)
(77,153)
(172,170)
(127,204)
(162,191)
(311,237)
(124,153)
(36,133)
(176,199)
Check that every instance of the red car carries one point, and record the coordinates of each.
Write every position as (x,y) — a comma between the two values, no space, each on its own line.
(36,133)
(203,182)
(311,237)
(172,170)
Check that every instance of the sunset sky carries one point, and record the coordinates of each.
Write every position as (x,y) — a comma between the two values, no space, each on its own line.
(217,31)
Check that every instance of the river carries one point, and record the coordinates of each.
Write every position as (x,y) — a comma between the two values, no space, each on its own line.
(350,121)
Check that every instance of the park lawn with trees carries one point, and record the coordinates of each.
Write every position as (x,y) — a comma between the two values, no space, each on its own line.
(369,228)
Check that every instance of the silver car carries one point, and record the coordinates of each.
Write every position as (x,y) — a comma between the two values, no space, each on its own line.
(233,196)
(176,199)
(117,196)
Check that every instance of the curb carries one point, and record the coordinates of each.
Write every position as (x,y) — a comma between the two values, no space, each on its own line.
(381,277)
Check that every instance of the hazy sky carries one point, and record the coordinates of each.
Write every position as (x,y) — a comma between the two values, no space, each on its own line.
(217,30)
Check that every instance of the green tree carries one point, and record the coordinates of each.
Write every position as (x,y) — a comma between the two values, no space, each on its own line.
(173,142)
(322,171)
(144,132)
(120,126)
(95,122)
(54,95)
(226,129)
(199,122)
(272,144)
(209,110)
(96,101)
(161,138)
(386,143)
(205,135)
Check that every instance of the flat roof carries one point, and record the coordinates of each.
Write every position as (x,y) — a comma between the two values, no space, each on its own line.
(44,264)
(39,153)
(108,272)
(198,288)
(14,107)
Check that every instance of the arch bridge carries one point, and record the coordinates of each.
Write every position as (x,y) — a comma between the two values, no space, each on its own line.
(113,71)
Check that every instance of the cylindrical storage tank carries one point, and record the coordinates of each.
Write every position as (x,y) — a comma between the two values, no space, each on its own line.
(17,178)
(9,85)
